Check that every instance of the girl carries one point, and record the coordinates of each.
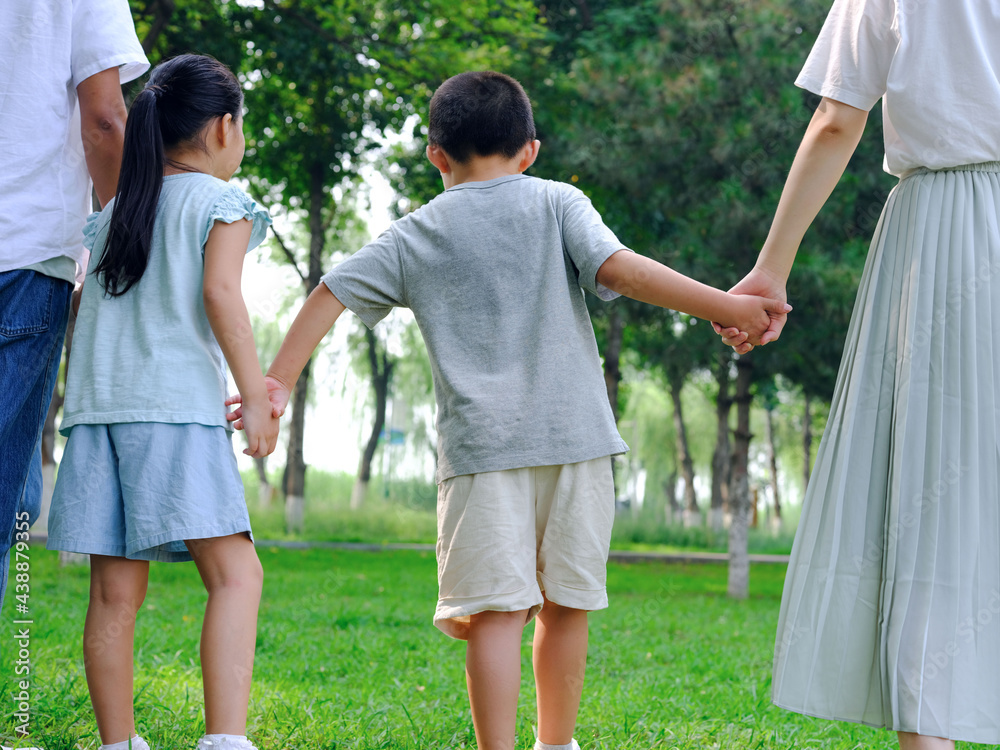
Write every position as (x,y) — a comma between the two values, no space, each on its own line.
(891,608)
(149,471)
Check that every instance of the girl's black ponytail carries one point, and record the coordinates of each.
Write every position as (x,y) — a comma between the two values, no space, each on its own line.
(183,95)
(130,231)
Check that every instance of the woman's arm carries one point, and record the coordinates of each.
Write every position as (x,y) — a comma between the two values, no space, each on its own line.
(827,146)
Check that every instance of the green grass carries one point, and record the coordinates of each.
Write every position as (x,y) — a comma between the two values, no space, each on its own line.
(347,657)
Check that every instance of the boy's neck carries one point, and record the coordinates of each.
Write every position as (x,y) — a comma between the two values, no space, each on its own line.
(482,169)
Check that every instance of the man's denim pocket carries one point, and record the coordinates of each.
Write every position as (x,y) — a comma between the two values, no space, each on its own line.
(26,303)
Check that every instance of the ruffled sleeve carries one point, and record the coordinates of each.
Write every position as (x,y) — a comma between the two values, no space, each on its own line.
(90,230)
(232,205)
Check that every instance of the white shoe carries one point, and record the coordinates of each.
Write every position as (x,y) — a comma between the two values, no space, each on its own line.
(135,743)
(224,742)
(538,745)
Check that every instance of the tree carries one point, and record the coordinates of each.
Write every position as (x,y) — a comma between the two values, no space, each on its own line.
(722,455)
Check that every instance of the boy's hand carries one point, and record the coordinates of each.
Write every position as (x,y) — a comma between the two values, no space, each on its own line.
(277,395)
(261,427)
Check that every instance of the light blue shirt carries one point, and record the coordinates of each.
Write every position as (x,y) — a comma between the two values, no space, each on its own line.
(150,354)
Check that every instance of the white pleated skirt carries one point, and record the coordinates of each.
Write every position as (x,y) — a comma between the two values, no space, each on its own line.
(891,609)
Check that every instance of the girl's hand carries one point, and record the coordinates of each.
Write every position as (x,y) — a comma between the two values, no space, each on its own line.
(277,395)
(757,282)
(261,427)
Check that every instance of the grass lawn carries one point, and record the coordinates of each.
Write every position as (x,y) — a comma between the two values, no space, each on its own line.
(347,658)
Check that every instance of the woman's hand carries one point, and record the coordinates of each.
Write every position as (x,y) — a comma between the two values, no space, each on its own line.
(763,284)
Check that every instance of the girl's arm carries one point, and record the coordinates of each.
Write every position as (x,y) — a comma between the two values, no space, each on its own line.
(829,141)
(645,280)
(227,314)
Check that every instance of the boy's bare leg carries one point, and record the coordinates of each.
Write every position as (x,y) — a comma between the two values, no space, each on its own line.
(117,590)
(493,674)
(233,577)
(560,661)
(910,741)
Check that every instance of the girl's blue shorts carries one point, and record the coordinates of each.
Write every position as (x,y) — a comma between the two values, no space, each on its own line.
(139,489)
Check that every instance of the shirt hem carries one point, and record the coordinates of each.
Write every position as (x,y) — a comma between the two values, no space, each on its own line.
(850,98)
(130,66)
(72,421)
(525,461)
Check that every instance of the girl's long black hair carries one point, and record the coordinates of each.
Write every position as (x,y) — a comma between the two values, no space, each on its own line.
(182,96)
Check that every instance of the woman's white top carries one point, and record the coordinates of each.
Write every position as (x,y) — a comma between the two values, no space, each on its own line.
(935,64)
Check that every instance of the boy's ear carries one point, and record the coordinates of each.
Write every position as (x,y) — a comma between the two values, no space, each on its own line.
(437,156)
(528,155)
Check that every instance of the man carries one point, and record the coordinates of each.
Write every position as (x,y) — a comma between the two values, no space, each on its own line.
(62,118)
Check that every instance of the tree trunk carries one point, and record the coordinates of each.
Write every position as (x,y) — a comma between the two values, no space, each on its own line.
(381,373)
(772,456)
(673,510)
(295,470)
(692,517)
(721,458)
(162,11)
(612,358)
(739,490)
(807,439)
(265,491)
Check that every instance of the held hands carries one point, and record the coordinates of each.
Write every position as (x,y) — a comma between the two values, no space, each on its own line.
(757,282)
(260,419)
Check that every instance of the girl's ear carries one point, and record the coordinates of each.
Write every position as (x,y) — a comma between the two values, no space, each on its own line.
(224,130)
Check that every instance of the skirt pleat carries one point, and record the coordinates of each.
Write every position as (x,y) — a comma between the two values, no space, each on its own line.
(891,609)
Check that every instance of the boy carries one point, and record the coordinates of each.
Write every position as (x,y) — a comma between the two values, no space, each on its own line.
(492,270)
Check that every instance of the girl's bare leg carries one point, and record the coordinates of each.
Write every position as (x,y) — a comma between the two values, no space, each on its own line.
(233,577)
(117,590)
(910,741)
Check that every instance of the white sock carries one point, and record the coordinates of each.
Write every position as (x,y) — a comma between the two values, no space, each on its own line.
(222,740)
(137,742)
(539,745)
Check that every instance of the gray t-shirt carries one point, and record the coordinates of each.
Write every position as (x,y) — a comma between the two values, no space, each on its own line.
(493,272)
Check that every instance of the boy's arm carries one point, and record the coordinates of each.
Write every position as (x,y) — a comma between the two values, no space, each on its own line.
(313,322)
(646,280)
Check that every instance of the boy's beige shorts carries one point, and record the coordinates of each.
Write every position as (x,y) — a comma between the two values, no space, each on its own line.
(506,536)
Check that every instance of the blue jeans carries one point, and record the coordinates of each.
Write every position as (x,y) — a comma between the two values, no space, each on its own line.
(33,313)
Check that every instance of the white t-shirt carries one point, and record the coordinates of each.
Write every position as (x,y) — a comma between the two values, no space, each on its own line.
(47,48)
(935,62)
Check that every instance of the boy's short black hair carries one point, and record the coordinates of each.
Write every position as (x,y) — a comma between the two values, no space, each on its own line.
(480,114)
